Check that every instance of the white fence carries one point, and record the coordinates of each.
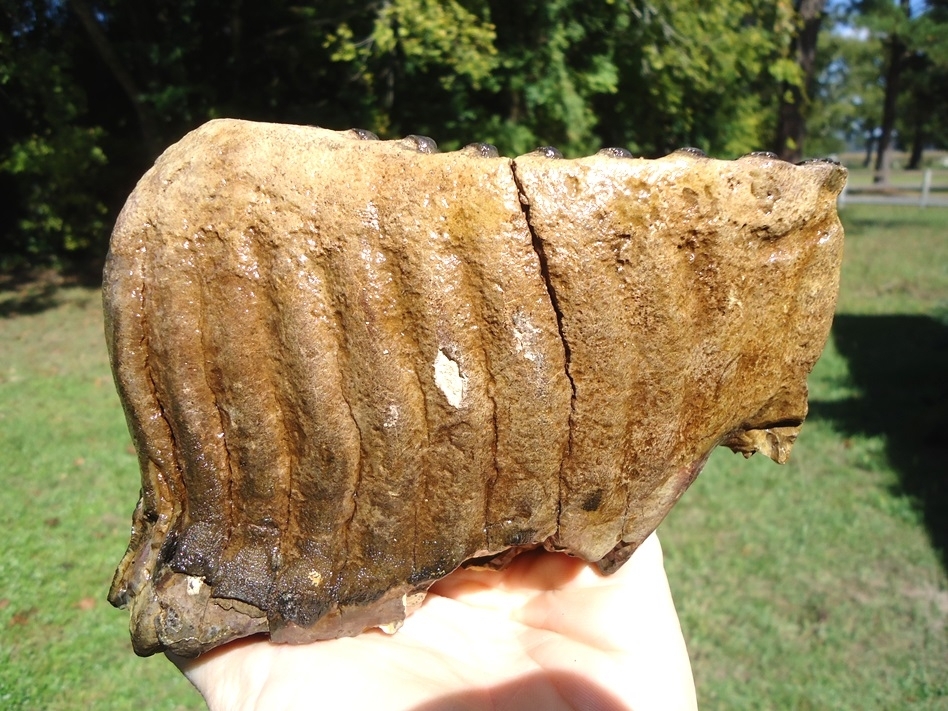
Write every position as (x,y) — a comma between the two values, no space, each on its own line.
(902,191)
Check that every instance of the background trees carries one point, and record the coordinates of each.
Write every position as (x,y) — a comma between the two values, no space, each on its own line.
(92,90)
(912,37)
(796,89)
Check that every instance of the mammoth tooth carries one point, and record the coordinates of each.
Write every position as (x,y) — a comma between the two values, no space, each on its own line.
(349,368)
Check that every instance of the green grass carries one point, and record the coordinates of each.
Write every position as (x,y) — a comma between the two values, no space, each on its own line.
(896,261)
(68,483)
(817,585)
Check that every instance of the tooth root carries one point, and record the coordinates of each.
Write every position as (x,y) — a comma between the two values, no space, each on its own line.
(774,443)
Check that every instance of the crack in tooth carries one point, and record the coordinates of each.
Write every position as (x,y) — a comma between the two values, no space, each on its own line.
(540,251)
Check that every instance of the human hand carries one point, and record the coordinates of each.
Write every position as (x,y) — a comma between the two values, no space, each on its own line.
(546,633)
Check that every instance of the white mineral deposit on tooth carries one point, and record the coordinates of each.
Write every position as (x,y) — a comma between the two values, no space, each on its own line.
(448,378)
(374,363)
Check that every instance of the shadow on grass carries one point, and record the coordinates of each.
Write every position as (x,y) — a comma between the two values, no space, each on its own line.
(898,363)
(32,291)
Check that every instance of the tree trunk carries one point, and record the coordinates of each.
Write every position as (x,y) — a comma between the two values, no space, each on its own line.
(918,136)
(870,144)
(897,60)
(918,147)
(102,45)
(794,99)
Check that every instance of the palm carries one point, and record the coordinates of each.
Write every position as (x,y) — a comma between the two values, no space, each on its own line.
(547,632)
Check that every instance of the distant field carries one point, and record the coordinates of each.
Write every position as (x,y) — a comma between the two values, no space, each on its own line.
(930,159)
(817,585)
(900,181)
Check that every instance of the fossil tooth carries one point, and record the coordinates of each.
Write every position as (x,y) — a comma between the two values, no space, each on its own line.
(349,368)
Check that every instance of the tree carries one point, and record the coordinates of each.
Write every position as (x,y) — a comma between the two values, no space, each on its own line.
(52,161)
(847,98)
(651,76)
(796,90)
(897,57)
(701,74)
(92,89)
(914,38)
(927,82)
(119,72)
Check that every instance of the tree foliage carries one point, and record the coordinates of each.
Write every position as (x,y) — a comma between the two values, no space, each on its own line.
(796,90)
(914,41)
(51,159)
(848,97)
(91,90)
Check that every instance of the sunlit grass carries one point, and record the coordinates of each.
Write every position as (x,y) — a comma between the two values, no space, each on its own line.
(68,482)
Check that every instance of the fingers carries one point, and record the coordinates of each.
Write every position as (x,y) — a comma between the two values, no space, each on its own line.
(546,613)
(608,612)
(630,616)
(231,675)
(529,572)
(541,570)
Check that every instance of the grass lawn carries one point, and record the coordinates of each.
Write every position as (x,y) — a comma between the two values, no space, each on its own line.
(67,488)
(817,585)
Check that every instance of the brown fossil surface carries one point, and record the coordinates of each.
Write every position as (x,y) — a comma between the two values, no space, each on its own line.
(350,366)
